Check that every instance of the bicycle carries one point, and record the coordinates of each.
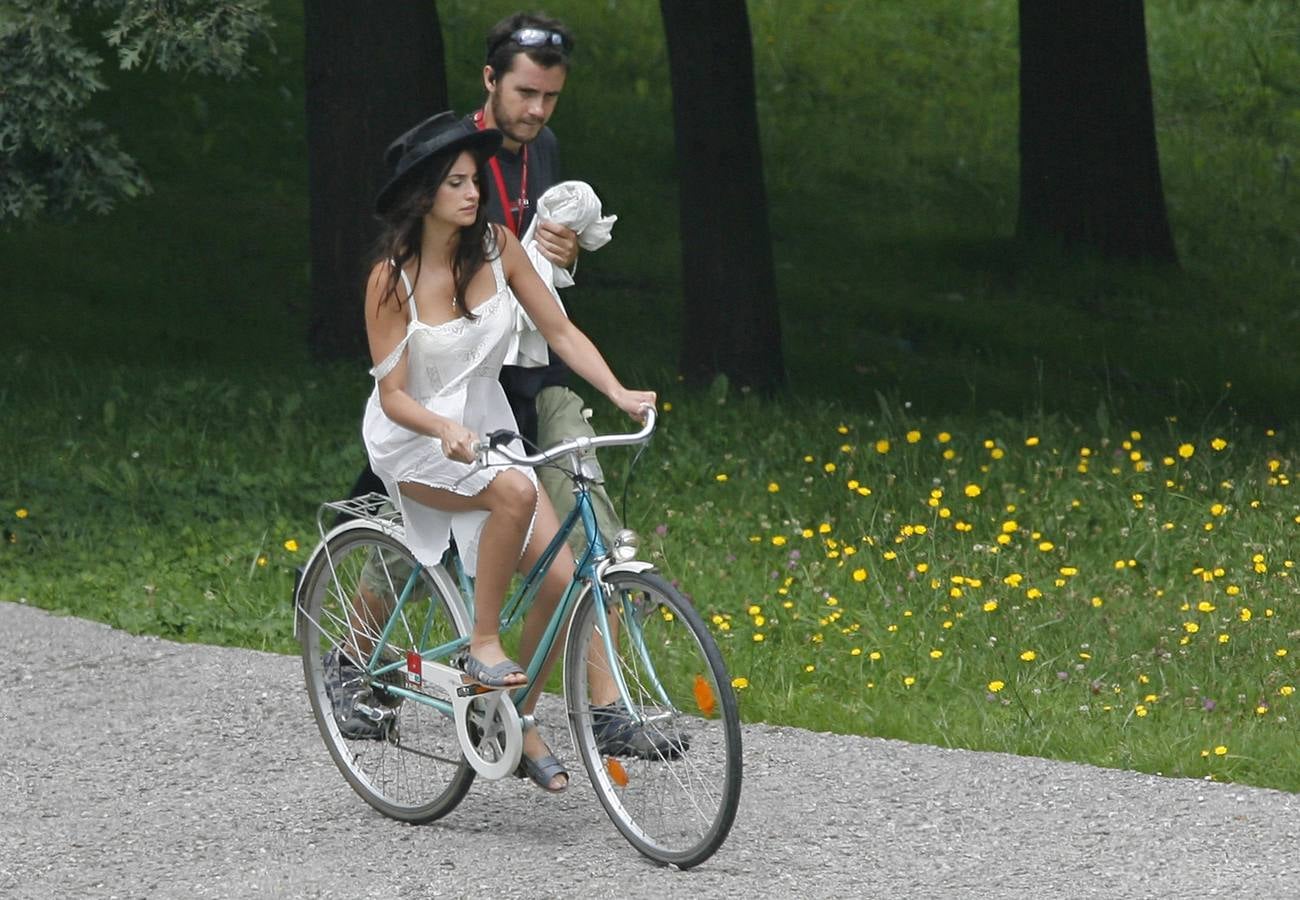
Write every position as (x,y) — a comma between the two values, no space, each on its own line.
(673,794)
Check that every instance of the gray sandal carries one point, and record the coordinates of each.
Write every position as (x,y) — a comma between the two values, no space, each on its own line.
(542,771)
(493,676)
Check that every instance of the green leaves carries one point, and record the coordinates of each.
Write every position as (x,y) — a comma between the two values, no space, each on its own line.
(54,158)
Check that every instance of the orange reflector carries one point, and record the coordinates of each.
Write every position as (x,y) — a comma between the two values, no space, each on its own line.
(617,773)
(704,696)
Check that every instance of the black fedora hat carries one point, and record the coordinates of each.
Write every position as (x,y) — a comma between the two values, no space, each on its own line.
(443,131)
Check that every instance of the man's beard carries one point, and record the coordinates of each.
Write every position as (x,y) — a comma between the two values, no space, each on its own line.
(511,128)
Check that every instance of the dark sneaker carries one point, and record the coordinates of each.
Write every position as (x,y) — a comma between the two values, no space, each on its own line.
(617,735)
(360,715)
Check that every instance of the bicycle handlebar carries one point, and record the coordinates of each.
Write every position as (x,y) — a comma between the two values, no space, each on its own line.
(497,443)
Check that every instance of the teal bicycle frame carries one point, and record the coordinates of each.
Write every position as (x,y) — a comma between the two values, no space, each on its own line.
(516,606)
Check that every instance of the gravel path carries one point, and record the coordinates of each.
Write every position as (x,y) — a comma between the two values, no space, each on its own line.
(136,767)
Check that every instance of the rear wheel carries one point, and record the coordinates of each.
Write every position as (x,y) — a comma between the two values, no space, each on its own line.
(402,756)
(668,770)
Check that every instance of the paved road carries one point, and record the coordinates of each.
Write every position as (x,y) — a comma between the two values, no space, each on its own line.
(136,767)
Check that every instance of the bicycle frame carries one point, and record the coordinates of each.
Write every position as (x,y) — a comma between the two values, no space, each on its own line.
(516,606)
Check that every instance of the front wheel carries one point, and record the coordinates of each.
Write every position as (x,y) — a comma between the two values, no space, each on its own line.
(668,769)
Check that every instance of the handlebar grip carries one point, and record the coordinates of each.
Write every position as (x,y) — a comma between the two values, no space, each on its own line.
(499,437)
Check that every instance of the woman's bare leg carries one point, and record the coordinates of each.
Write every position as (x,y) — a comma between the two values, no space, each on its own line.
(509,501)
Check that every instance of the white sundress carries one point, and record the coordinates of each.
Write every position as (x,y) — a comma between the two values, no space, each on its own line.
(452,369)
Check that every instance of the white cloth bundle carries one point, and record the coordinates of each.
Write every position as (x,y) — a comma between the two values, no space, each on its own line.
(575,205)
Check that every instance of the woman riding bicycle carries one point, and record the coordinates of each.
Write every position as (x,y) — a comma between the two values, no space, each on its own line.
(438,311)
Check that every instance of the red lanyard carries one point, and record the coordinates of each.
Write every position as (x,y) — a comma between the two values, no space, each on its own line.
(514,221)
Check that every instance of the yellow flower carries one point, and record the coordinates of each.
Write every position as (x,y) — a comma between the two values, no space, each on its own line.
(1216,509)
(810,668)
(758,637)
(1220,750)
(740,682)
(990,605)
(20,513)
(1205,606)
(1031,441)
(1140,711)
(995,686)
(972,490)
(721,476)
(291,545)
(1028,656)
(828,468)
(773,487)
(1191,627)
(1286,690)
(944,437)
(859,575)
(668,407)
(1186,450)
(913,436)
(1218,444)
(842,429)
(908,680)
(778,540)
(936,654)
(261,561)
(882,446)
(1280,652)
(1013,580)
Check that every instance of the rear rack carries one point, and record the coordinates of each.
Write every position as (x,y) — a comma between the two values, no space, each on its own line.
(372,507)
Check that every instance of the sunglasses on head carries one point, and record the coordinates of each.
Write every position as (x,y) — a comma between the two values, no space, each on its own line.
(535,37)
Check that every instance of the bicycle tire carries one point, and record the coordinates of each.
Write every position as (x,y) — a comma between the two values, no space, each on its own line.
(675,802)
(416,772)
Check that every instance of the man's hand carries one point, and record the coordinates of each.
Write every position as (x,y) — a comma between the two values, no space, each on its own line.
(557,243)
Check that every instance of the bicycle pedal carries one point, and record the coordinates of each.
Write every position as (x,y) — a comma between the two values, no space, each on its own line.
(377,716)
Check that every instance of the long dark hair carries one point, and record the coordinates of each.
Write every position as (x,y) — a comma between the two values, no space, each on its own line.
(402,229)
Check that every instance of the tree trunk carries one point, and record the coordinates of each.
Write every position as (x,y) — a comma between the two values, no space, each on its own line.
(373,70)
(731,324)
(1089,168)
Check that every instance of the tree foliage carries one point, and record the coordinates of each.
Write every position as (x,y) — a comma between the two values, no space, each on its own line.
(55,158)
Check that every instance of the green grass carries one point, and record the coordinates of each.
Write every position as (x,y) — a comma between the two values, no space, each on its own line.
(181,506)
(167,442)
